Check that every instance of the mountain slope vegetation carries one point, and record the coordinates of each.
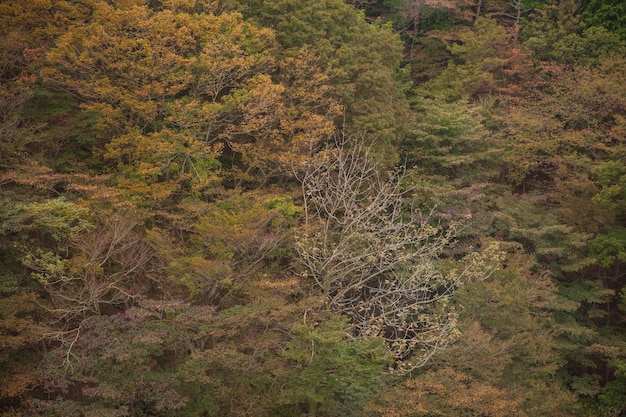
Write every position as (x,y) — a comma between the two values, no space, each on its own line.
(328,208)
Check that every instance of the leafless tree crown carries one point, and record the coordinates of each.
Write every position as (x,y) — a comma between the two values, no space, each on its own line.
(376,257)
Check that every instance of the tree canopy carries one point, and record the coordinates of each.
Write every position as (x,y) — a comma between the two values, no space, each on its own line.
(323,208)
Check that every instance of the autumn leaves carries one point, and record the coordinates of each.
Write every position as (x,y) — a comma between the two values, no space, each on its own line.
(175,95)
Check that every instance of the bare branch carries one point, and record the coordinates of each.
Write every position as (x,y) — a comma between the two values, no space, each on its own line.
(106,268)
(376,257)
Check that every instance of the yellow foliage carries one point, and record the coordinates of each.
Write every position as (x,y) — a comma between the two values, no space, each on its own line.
(17,382)
(286,123)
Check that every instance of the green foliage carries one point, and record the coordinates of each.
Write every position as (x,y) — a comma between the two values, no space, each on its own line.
(65,134)
(504,361)
(589,348)
(221,247)
(17,326)
(609,14)
(559,247)
(20,314)
(167,358)
(613,396)
(332,374)
(479,58)
(238,364)
(512,309)
(17,136)
(609,248)
(449,140)
(285,206)
(122,361)
(611,176)
(589,293)
(60,218)
(558,34)
(594,43)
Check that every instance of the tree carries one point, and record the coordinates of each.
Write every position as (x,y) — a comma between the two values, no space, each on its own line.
(174,96)
(362,60)
(449,140)
(226,245)
(503,363)
(94,272)
(138,71)
(376,259)
(606,13)
(18,335)
(480,58)
(611,176)
(333,375)
(559,33)
(279,125)
(16,136)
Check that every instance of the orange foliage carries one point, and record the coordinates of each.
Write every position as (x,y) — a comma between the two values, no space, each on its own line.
(284,124)
(446,392)
(17,381)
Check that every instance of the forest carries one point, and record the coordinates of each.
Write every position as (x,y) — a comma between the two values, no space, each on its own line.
(328,208)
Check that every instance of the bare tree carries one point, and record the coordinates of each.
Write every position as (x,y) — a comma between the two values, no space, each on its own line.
(105,272)
(376,257)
